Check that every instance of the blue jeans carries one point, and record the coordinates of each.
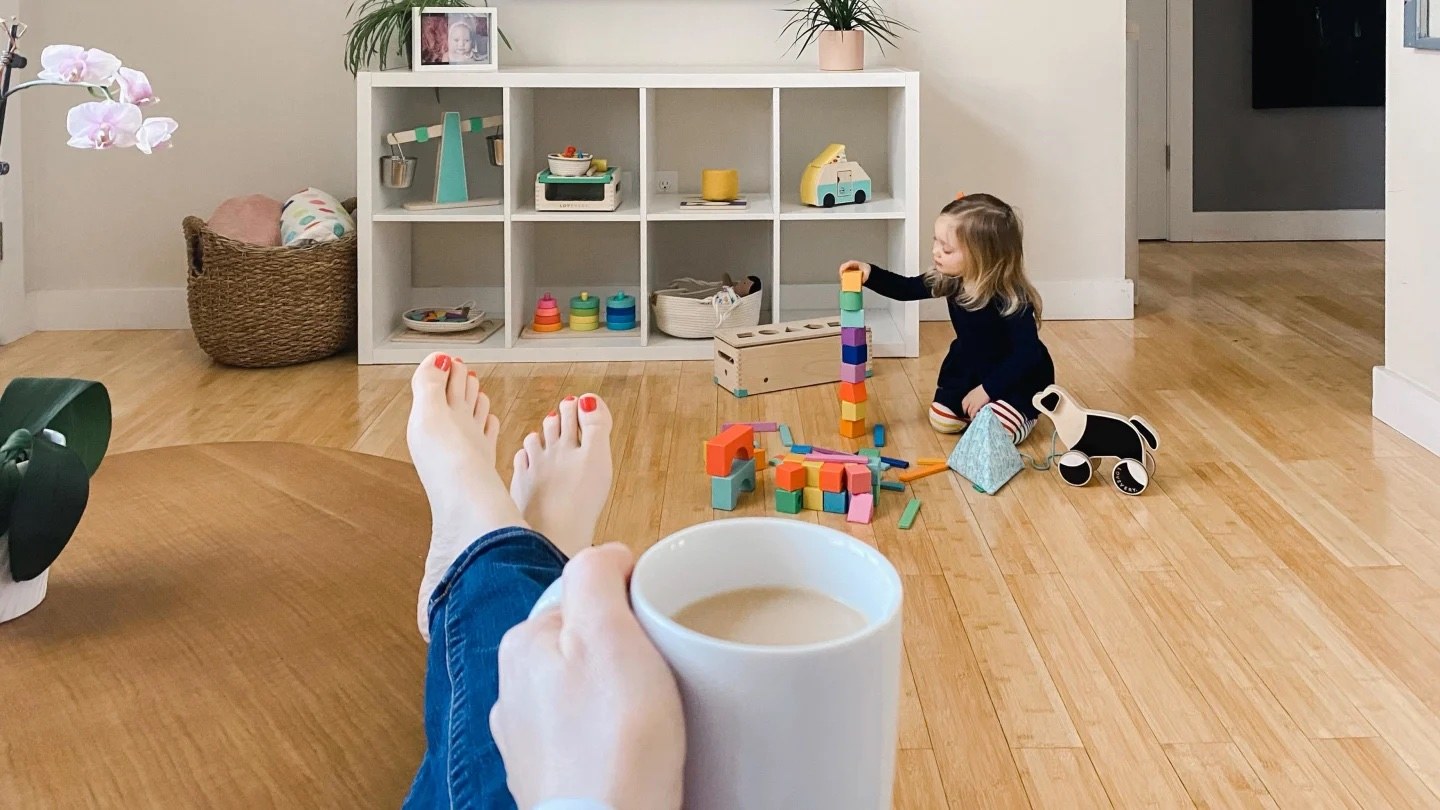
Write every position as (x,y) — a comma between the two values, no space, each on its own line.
(489,588)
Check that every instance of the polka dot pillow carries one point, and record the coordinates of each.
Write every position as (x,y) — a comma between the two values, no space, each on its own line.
(312,215)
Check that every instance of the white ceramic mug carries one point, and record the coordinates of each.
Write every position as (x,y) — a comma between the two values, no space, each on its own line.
(777,727)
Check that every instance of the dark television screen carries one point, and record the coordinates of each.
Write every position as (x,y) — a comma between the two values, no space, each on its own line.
(1318,53)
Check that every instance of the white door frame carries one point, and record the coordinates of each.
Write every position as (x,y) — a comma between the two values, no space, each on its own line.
(1180,103)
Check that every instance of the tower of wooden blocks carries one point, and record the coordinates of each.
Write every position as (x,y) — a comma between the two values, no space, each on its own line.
(730,463)
(827,486)
(853,354)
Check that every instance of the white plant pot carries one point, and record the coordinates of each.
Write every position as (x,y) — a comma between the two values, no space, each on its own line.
(842,50)
(19,598)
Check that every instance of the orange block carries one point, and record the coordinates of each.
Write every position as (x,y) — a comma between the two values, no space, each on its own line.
(735,442)
(853,428)
(762,462)
(852,392)
(832,477)
(851,281)
(922,472)
(790,476)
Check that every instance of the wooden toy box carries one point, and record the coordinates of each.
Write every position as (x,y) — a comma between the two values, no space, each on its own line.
(777,356)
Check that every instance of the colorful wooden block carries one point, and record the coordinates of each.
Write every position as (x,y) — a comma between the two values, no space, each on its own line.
(852,319)
(858,478)
(856,355)
(853,411)
(789,501)
(812,473)
(758,427)
(852,336)
(794,457)
(835,502)
(853,392)
(844,458)
(849,372)
(923,472)
(800,448)
(852,429)
(760,457)
(785,437)
(902,464)
(813,499)
(852,301)
(893,486)
(911,510)
(870,452)
(791,476)
(725,489)
(852,281)
(862,508)
(879,435)
(734,443)
(925,462)
(832,477)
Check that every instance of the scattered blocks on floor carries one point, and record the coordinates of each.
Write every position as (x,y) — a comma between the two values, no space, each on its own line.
(852,428)
(789,501)
(878,431)
(725,489)
(858,478)
(835,502)
(862,508)
(813,499)
(734,443)
(832,476)
(893,486)
(785,437)
(911,510)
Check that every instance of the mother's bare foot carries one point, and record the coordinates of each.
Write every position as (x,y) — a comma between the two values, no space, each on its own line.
(562,480)
(452,437)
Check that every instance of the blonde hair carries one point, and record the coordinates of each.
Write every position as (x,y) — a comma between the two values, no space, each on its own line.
(990,234)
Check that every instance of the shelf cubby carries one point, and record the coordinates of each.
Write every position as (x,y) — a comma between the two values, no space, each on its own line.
(767,123)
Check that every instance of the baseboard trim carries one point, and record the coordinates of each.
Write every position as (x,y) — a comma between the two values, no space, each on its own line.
(1407,406)
(1098,300)
(1287,226)
(135,308)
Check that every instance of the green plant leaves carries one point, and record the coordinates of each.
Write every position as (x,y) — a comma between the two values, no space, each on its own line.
(815,16)
(41,505)
(47,507)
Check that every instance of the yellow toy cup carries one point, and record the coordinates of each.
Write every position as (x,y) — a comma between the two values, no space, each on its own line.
(719,185)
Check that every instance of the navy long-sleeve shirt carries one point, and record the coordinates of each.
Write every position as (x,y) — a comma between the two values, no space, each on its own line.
(1002,353)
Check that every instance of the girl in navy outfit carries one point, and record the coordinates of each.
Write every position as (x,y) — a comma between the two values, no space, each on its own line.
(997,357)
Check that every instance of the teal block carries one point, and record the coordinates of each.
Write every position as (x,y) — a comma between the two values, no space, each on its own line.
(893,486)
(741,392)
(837,502)
(869,372)
(451,185)
(852,302)
(789,502)
(852,318)
(725,489)
(870,452)
(785,437)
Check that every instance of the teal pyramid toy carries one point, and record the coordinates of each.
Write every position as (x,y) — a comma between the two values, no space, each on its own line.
(986,456)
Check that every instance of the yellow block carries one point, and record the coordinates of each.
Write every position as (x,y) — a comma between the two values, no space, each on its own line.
(812,473)
(853,411)
(812,498)
(850,281)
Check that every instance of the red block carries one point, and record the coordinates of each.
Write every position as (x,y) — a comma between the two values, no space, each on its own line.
(852,392)
(857,477)
(735,442)
(790,476)
(832,477)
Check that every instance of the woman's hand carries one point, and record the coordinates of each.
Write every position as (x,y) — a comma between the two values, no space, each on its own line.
(974,401)
(863,267)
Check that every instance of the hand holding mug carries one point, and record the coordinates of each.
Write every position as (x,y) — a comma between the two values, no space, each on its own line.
(588,708)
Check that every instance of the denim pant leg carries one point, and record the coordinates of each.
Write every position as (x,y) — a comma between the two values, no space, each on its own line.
(490,588)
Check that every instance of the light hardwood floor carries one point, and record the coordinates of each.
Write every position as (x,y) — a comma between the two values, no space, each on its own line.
(1261,628)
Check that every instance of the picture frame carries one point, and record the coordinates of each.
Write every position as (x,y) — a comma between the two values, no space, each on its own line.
(1417,26)
(454,38)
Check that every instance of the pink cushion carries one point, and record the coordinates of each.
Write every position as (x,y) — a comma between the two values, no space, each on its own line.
(254,218)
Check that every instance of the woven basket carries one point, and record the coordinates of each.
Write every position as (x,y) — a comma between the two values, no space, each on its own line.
(257,307)
(691,308)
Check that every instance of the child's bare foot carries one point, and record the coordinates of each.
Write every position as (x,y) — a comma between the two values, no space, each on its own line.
(452,438)
(562,480)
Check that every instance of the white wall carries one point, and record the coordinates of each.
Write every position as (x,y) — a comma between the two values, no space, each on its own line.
(1024,102)
(1407,387)
(14,315)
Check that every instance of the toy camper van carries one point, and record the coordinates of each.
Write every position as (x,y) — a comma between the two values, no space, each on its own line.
(831,178)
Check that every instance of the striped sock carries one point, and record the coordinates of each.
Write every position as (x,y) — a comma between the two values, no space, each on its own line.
(1015,422)
(944,420)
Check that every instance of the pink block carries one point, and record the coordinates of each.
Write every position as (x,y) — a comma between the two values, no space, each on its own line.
(858,477)
(852,372)
(758,427)
(841,459)
(862,508)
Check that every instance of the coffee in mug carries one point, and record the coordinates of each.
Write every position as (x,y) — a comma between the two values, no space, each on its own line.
(772,616)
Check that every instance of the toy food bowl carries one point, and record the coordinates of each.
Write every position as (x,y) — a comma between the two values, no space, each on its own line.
(570,163)
(444,319)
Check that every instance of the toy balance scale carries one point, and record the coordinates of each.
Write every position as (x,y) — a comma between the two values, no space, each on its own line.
(591,192)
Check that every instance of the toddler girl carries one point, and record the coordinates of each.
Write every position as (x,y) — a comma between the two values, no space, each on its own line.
(997,356)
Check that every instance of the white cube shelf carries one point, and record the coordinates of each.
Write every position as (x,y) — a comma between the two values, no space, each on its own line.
(767,123)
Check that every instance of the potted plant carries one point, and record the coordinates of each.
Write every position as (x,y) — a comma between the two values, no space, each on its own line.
(56,434)
(382,30)
(841,26)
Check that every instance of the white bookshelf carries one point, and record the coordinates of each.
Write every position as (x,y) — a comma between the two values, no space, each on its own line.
(766,122)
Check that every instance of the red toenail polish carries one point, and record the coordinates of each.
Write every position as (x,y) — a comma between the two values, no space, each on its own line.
(553,413)
(443,362)
(587,404)
(569,399)
(473,374)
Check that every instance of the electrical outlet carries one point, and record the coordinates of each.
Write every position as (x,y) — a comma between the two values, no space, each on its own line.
(665,182)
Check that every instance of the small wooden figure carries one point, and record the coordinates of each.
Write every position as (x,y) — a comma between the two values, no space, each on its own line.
(1092,435)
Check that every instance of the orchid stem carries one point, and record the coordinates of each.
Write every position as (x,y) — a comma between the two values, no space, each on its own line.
(52,83)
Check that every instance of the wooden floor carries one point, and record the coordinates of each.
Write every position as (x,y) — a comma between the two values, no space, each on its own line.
(1261,628)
